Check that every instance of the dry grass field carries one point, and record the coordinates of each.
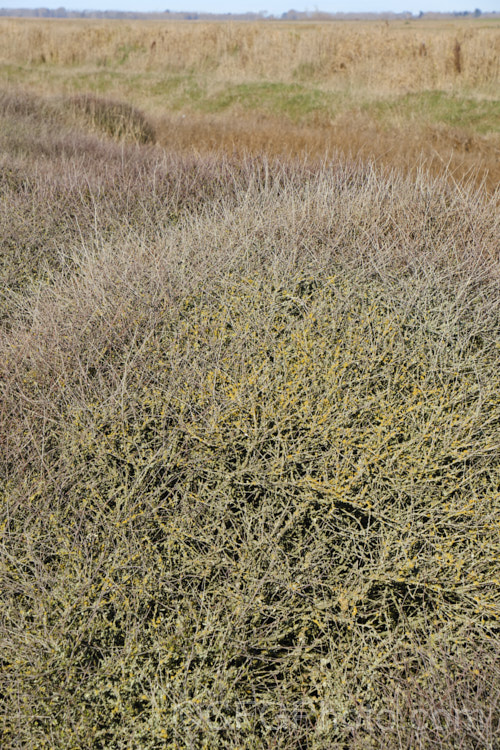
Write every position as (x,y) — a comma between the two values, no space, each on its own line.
(404,93)
(249,393)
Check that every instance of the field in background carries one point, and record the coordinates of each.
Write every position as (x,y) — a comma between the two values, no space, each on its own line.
(402,93)
(249,406)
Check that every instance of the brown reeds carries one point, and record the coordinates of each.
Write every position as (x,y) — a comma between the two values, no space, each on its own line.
(457,57)
(337,54)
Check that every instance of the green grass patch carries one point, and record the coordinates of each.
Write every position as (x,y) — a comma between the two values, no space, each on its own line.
(294,101)
(480,115)
(169,85)
(98,81)
(13,74)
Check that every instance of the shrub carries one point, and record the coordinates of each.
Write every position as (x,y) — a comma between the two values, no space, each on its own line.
(249,465)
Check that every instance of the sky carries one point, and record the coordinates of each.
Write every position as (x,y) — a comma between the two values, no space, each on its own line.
(275,7)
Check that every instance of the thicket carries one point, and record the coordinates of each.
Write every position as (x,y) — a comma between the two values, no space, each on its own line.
(249,454)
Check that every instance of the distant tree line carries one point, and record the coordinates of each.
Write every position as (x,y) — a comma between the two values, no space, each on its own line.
(168,15)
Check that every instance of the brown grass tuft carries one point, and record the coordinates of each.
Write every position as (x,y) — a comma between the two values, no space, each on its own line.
(457,57)
(116,119)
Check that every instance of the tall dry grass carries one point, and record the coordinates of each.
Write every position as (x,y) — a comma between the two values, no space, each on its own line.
(403,94)
(249,453)
(375,55)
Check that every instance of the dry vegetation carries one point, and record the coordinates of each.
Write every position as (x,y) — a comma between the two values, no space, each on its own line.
(249,434)
(411,55)
(398,92)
